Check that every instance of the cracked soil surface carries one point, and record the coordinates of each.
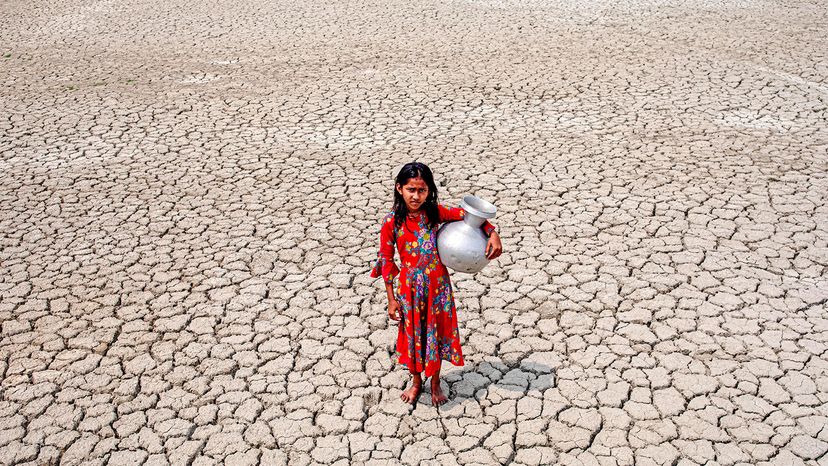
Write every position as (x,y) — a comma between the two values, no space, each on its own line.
(190,197)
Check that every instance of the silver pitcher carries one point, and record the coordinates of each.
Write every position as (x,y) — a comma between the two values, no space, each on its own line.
(462,245)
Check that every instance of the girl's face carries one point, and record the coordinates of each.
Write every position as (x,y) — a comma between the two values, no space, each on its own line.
(414,193)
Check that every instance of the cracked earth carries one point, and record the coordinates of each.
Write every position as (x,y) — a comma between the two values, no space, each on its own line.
(190,197)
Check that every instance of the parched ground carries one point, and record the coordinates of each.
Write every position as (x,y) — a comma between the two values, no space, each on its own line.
(190,196)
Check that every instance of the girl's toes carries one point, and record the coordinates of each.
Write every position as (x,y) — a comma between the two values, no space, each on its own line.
(438,397)
(410,395)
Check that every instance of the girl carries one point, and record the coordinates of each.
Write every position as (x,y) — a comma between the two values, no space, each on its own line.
(420,295)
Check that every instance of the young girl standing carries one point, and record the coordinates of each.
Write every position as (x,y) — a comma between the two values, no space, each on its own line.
(419,294)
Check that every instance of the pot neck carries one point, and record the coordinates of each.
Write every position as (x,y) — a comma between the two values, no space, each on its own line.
(472,220)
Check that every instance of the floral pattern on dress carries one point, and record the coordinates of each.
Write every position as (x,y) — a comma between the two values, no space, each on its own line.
(428,332)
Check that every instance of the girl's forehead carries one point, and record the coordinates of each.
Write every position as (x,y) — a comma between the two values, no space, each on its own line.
(416,183)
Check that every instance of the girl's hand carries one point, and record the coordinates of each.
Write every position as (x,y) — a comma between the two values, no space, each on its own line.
(493,248)
(393,310)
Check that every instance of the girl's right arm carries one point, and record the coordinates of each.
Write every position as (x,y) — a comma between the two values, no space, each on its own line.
(385,266)
(393,305)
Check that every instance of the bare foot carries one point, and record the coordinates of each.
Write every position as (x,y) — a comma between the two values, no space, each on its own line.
(413,392)
(437,396)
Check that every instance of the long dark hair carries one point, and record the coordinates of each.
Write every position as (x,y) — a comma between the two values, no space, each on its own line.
(416,170)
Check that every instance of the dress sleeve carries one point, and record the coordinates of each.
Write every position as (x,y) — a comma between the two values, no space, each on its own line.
(453,214)
(385,265)
(488,228)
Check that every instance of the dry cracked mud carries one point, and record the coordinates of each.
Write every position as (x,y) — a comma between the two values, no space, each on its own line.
(190,196)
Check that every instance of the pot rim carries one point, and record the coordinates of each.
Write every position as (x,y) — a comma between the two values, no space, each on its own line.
(479,207)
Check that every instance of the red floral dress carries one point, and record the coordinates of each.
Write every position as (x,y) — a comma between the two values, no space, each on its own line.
(427,333)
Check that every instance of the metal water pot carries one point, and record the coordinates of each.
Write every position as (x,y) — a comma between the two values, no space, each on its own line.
(462,245)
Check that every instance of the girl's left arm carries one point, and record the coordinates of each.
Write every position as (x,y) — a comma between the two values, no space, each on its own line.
(452,214)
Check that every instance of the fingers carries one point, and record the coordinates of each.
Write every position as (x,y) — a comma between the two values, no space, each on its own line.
(494,252)
(394,313)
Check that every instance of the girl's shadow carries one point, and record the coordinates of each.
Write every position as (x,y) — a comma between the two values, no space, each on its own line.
(535,373)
